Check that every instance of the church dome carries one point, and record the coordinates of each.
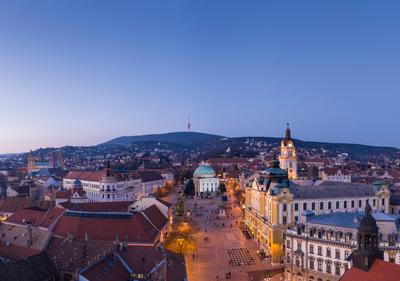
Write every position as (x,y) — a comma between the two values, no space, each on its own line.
(204,170)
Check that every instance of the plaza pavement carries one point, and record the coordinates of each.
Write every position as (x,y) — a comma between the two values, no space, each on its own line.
(212,259)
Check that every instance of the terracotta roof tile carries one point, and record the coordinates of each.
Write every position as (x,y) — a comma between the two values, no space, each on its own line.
(379,271)
(136,229)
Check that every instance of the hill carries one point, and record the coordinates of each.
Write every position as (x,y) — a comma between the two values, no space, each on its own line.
(211,144)
(179,138)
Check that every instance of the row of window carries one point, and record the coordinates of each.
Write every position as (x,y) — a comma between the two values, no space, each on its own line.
(328,206)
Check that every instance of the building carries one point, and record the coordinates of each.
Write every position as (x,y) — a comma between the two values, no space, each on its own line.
(76,194)
(272,205)
(105,186)
(269,210)
(137,263)
(152,182)
(367,258)
(205,180)
(335,174)
(320,247)
(35,166)
(288,157)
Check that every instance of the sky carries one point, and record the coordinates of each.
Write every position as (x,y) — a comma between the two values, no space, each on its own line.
(83,72)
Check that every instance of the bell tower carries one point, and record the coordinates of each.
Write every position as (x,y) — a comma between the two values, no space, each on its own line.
(368,249)
(288,157)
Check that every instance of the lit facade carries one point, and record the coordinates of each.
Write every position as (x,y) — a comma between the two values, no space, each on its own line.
(288,157)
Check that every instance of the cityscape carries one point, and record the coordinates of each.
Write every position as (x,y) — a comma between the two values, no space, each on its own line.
(199,141)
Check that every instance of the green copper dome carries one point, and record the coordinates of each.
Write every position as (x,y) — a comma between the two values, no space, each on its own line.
(204,170)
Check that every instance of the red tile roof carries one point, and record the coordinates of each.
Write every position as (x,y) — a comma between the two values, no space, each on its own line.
(156,217)
(107,270)
(86,176)
(147,176)
(36,217)
(136,229)
(167,204)
(51,216)
(13,204)
(121,206)
(15,252)
(142,259)
(235,160)
(379,271)
(69,255)
(23,216)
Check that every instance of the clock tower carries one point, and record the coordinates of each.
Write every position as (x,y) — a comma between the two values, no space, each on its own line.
(288,157)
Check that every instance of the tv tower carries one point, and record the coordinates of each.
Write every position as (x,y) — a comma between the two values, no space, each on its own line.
(188,124)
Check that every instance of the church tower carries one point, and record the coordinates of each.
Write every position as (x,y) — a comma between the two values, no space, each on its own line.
(31,163)
(288,157)
(368,249)
(61,160)
(52,162)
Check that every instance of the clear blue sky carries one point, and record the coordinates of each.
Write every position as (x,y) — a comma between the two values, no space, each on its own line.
(82,72)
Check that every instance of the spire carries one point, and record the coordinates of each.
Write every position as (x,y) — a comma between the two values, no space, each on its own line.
(51,159)
(368,242)
(287,132)
(188,124)
(108,169)
(61,159)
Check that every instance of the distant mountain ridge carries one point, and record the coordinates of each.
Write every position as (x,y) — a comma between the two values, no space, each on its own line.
(181,138)
(205,141)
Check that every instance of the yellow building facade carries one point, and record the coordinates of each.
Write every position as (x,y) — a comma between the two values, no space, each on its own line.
(269,211)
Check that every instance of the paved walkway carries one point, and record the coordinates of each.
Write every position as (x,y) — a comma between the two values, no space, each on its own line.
(222,248)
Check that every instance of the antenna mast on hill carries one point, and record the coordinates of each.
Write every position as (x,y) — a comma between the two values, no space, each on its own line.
(188,124)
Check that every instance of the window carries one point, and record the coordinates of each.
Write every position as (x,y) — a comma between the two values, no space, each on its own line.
(312,263)
(337,254)
(296,206)
(284,207)
(337,268)
(304,206)
(311,249)
(374,202)
(392,257)
(320,265)
(313,206)
(284,220)
(352,203)
(288,258)
(296,218)
(337,204)
(319,251)
(345,204)
(383,201)
(321,205)
(298,245)
(329,205)
(359,203)
(297,261)
(328,252)
(328,267)
(288,244)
